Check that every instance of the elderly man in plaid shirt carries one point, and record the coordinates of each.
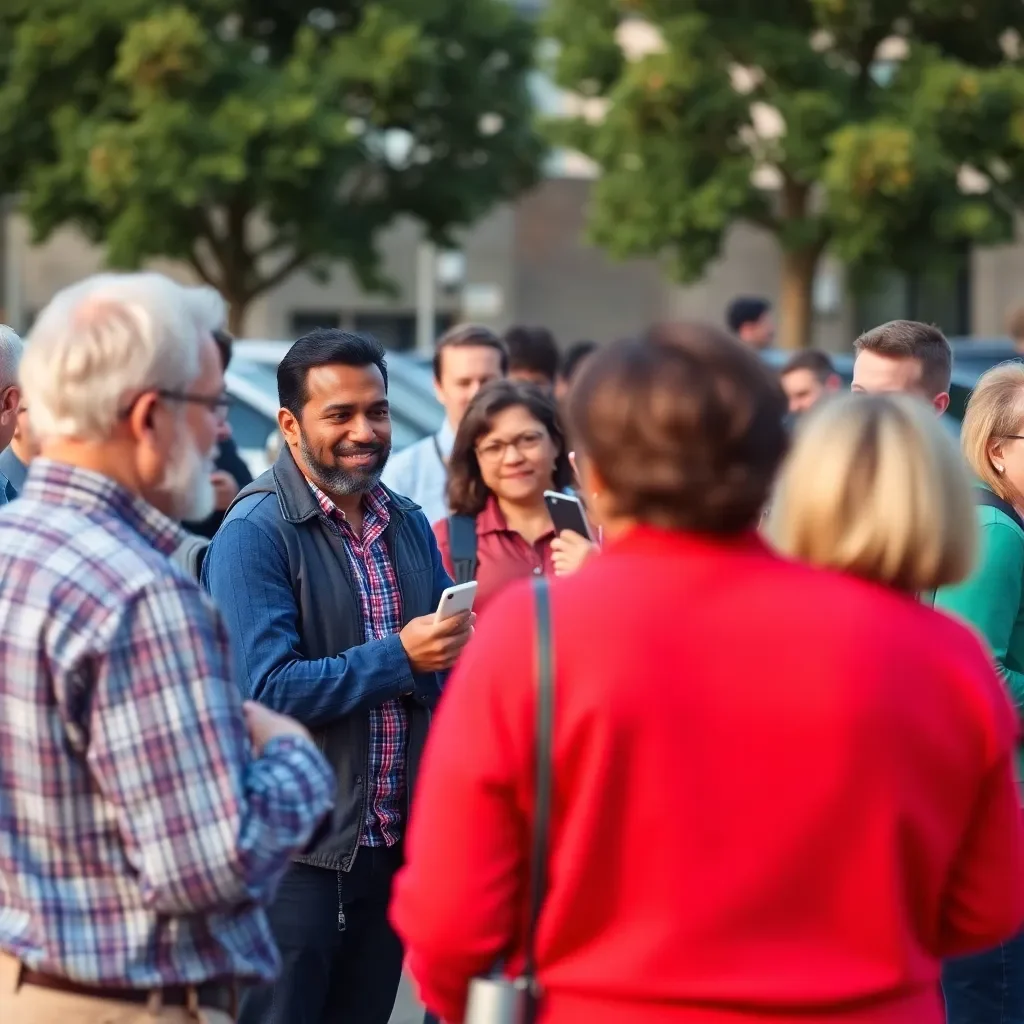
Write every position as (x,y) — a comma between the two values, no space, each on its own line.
(145,816)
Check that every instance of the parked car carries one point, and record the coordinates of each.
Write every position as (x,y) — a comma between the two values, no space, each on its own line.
(252,384)
(976,355)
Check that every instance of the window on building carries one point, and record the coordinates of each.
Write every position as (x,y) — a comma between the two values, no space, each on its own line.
(397,331)
(305,320)
(940,296)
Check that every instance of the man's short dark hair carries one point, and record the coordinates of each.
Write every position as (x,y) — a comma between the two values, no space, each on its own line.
(746,309)
(469,336)
(574,355)
(909,339)
(686,428)
(324,346)
(533,350)
(224,342)
(818,362)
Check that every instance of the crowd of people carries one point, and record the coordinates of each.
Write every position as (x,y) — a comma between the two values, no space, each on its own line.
(762,709)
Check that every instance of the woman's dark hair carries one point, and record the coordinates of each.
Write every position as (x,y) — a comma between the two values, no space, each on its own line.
(685,427)
(324,346)
(467,492)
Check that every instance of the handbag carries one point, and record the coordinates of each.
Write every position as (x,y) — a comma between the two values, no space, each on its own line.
(496,999)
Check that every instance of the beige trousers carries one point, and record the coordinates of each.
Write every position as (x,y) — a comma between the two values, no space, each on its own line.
(26,1004)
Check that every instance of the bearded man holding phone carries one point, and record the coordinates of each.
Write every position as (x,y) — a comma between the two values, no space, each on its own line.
(329,584)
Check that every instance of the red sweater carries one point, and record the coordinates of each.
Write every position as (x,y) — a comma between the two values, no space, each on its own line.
(780,794)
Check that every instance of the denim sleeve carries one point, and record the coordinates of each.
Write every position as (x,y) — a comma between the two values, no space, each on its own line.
(246,572)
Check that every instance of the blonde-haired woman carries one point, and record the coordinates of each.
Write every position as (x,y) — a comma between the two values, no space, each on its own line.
(875,487)
(990,985)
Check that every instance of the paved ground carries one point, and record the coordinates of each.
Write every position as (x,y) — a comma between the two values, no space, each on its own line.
(407,1010)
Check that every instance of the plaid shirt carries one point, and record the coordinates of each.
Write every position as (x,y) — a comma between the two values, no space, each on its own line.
(138,836)
(381,604)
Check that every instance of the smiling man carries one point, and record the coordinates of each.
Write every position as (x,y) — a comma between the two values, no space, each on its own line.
(328,582)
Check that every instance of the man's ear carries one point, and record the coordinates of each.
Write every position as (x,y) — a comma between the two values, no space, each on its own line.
(289,425)
(142,414)
(941,403)
(833,383)
(10,403)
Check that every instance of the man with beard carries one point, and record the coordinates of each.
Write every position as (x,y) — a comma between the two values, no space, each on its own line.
(142,828)
(329,582)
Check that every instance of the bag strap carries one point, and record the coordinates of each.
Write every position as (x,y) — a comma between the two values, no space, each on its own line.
(983,496)
(544,756)
(462,547)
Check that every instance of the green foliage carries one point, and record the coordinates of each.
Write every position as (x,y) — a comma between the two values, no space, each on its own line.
(867,159)
(255,137)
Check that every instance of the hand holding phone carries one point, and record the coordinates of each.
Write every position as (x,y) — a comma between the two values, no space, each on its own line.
(455,600)
(566,511)
(433,646)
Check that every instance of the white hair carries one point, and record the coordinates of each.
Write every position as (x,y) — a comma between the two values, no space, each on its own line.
(104,341)
(11,351)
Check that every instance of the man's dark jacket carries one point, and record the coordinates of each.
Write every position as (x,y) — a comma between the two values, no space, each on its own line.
(279,574)
(231,462)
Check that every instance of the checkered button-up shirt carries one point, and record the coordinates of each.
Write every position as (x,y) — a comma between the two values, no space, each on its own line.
(138,835)
(381,604)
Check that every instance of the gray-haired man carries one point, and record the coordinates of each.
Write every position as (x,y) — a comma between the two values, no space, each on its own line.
(10,403)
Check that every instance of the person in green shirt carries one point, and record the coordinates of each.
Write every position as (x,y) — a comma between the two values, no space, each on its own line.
(990,986)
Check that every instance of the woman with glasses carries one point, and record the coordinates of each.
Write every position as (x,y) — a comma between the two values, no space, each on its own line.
(509,450)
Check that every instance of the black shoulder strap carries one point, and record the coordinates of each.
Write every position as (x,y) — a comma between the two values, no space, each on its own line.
(544,756)
(462,546)
(983,496)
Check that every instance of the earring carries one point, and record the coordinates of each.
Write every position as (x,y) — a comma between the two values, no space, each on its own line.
(1000,469)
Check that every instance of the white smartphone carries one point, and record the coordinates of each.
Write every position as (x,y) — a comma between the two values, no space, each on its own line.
(455,600)
(567,513)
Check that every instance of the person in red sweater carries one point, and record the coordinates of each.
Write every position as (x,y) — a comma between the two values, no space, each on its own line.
(780,793)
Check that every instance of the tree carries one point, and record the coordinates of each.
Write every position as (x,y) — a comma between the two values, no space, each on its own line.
(255,138)
(780,113)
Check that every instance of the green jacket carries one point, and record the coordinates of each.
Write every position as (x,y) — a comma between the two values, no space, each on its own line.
(992,600)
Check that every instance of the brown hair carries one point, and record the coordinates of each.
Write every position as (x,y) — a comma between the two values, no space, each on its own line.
(995,410)
(468,336)
(686,428)
(467,492)
(909,339)
(811,359)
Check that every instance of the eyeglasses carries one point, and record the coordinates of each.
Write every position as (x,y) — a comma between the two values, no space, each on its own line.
(526,444)
(219,404)
(1011,437)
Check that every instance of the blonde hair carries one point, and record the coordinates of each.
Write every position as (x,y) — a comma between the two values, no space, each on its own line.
(875,487)
(995,410)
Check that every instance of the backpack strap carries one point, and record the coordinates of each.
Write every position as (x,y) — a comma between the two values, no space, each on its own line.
(983,496)
(462,547)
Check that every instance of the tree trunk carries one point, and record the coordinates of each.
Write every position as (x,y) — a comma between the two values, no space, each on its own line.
(796,304)
(237,310)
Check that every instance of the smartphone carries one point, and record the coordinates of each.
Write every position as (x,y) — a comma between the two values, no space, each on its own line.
(567,513)
(455,600)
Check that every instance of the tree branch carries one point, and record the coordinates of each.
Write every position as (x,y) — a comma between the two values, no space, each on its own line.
(205,275)
(272,280)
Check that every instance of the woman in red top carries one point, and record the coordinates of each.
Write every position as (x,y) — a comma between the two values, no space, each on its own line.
(509,450)
(781,794)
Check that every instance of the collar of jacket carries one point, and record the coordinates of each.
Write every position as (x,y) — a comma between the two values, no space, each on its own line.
(294,495)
